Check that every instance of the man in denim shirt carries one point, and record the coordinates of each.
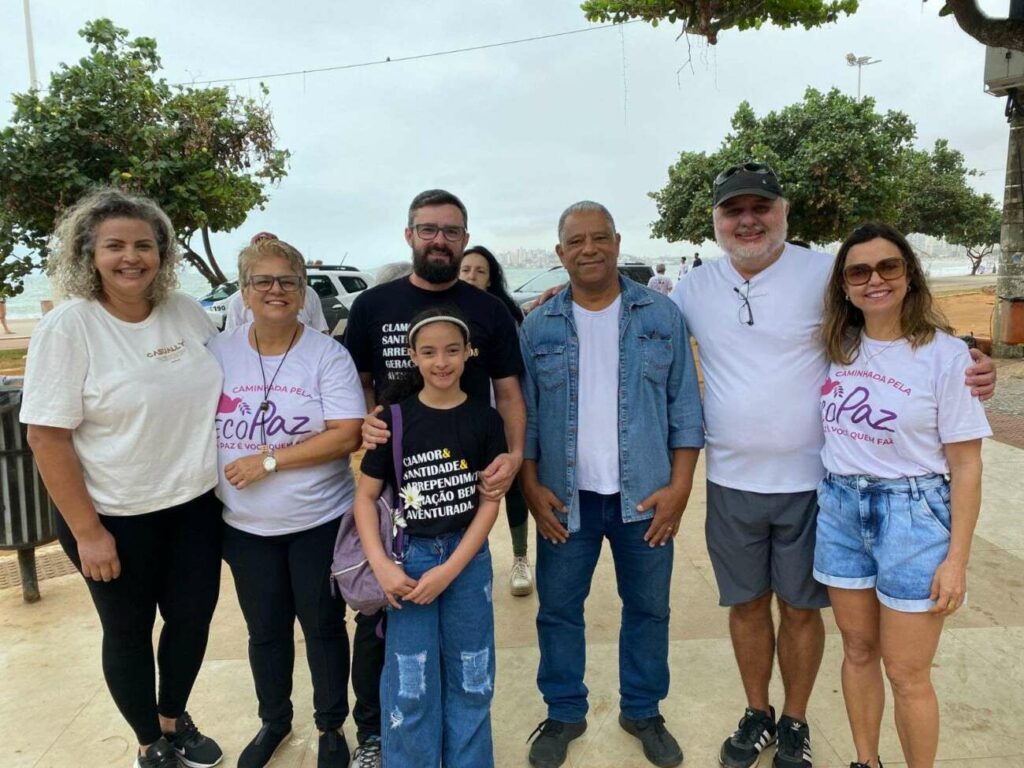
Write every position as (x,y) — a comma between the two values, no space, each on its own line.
(614,428)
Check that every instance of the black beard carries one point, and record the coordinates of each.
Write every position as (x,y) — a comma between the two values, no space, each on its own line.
(433,272)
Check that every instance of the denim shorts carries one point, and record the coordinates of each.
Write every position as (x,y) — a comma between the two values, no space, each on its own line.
(886,534)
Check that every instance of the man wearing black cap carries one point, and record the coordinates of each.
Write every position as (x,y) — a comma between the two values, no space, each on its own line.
(756,316)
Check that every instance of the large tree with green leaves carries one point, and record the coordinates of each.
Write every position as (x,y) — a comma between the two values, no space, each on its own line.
(707,18)
(840,162)
(205,155)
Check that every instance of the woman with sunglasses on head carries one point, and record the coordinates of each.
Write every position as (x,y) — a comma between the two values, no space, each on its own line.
(289,416)
(893,533)
(479,267)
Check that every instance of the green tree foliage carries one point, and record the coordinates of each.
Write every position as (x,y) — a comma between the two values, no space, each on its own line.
(205,155)
(840,163)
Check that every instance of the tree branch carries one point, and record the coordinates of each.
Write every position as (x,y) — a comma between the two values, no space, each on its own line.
(208,247)
(999,33)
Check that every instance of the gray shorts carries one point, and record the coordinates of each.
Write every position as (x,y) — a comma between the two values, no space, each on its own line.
(763,542)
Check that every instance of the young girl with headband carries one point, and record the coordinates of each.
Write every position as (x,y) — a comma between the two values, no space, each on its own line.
(438,678)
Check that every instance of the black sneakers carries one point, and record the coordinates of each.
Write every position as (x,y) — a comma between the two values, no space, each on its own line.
(367,754)
(865,765)
(552,742)
(755,732)
(794,750)
(332,751)
(660,747)
(257,753)
(159,754)
(193,749)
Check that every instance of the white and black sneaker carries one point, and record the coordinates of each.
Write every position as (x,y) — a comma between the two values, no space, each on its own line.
(193,749)
(794,750)
(367,754)
(159,754)
(756,731)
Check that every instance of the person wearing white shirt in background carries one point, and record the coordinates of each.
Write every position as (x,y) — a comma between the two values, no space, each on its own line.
(683,268)
(893,534)
(756,316)
(660,282)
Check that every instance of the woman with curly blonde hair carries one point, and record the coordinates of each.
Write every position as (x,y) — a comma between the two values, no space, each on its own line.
(120,398)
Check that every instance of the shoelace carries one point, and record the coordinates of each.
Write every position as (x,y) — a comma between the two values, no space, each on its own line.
(166,758)
(367,754)
(751,726)
(520,569)
(187,731)
(657,724)
(792,740)
(547,727)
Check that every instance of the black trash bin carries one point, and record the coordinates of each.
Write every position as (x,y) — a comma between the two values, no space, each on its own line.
(27,515)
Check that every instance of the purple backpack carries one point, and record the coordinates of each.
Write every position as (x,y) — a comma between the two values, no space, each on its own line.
(350,570)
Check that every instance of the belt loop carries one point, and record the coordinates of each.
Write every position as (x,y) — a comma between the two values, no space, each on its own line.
(915,493)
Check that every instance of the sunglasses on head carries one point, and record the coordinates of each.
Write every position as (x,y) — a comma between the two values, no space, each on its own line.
(758,168)
(887,269)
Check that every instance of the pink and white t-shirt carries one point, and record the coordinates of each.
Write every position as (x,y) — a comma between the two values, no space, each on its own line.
(889,413)
(315,384)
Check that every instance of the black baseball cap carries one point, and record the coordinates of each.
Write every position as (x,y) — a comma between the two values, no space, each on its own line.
(746,179)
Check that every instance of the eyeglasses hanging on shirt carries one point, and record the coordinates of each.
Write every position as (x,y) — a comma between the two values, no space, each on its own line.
(746,314)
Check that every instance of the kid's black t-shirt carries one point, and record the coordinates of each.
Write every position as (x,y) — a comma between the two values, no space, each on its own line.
(378,326)
(443,450)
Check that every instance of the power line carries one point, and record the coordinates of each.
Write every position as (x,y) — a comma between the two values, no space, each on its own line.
(414,57)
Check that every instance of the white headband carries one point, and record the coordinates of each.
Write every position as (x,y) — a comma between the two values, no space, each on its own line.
(437,319)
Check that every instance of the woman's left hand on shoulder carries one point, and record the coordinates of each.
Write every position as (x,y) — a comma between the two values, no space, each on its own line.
(949,586)
(245,471)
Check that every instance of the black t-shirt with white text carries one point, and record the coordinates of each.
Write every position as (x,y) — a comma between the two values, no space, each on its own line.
(378,325)
(442,452)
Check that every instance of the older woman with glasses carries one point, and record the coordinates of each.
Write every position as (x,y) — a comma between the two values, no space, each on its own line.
(289,416)
(893,534)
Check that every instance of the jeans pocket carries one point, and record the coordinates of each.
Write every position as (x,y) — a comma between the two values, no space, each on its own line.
(937,508)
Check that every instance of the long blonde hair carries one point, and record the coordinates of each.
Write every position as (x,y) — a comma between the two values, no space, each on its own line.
(843,323)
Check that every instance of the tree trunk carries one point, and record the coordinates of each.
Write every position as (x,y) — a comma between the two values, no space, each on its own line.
(1010,277)
(1000,33)
(214,266)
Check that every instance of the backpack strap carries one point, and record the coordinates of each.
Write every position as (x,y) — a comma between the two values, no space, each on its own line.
(396,458)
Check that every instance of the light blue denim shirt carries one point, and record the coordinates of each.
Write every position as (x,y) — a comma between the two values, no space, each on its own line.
(659,400)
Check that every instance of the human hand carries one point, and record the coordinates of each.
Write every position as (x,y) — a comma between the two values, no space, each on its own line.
(949,586)
(499,475)
(668,503)
(97,551)
(548,294)
(246,470)
(431,584)
(981,377)
(541,501)
(375,430)
(395,582)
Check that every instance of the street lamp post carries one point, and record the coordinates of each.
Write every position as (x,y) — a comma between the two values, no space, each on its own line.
(31,48)
(860,62)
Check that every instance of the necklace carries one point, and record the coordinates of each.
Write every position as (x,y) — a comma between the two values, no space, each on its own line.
(876,353)
(265,405)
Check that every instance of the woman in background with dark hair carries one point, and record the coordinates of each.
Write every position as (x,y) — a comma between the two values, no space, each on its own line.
(479,267)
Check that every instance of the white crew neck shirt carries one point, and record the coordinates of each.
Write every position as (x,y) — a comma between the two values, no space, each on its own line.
(139,399)
(311,315)
(889,413)
(761,381)
(597,446)
(316,383)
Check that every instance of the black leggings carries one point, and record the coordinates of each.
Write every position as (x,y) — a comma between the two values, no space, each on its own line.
(170,560)
(279,579)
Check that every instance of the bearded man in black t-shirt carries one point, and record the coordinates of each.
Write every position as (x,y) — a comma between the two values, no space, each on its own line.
(377,338)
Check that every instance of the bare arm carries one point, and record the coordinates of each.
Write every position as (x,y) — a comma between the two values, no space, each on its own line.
(950,582)
(61,470)
(395,583)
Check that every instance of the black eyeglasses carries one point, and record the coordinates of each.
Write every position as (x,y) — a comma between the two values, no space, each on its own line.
(745,310)
(429,232)
(758,168)
(887,269)
(263,283)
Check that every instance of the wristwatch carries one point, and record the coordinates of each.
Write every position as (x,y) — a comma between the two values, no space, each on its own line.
(270,463)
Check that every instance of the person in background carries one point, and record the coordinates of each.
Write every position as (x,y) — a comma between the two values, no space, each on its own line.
(683,268)
(479,267)
(392,271)
(893,534)
(3,313)
(120,396)
(660,282)
(697,261)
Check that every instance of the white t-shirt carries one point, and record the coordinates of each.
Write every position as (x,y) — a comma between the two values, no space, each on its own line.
(889,412)
(311,314)
(139,398)
(761,381)
(316,383)
(597,446)
(661,284)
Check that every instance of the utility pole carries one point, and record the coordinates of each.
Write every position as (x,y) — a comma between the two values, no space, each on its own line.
(33,80)
(860,62)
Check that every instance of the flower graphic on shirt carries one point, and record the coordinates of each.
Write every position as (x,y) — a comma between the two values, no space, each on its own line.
(412,497)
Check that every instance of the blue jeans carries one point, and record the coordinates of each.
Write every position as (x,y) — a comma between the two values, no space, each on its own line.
(438,678)
(643,574)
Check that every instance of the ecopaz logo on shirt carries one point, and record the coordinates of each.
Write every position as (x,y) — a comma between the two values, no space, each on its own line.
(434,485)
(171,354)
(872,422)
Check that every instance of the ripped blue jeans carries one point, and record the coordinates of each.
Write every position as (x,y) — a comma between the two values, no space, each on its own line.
(438,678)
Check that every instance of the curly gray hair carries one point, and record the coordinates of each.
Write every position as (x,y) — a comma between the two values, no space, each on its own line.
(73,245)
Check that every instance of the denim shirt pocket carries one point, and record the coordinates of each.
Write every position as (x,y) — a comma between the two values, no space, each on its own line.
(657,358)
(549,362)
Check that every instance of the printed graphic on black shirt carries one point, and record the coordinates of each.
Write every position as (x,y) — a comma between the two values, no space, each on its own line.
(437,484)
(394,349)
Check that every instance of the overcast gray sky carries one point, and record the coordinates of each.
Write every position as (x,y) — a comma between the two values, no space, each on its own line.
(518,132)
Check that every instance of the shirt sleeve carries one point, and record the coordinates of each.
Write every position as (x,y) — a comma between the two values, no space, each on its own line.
(507,360)
(357,335)
(961,415)
(494,441)
(52,394)
(377,463)
(313,311)
(234,314)
(197,319)
(340,390)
